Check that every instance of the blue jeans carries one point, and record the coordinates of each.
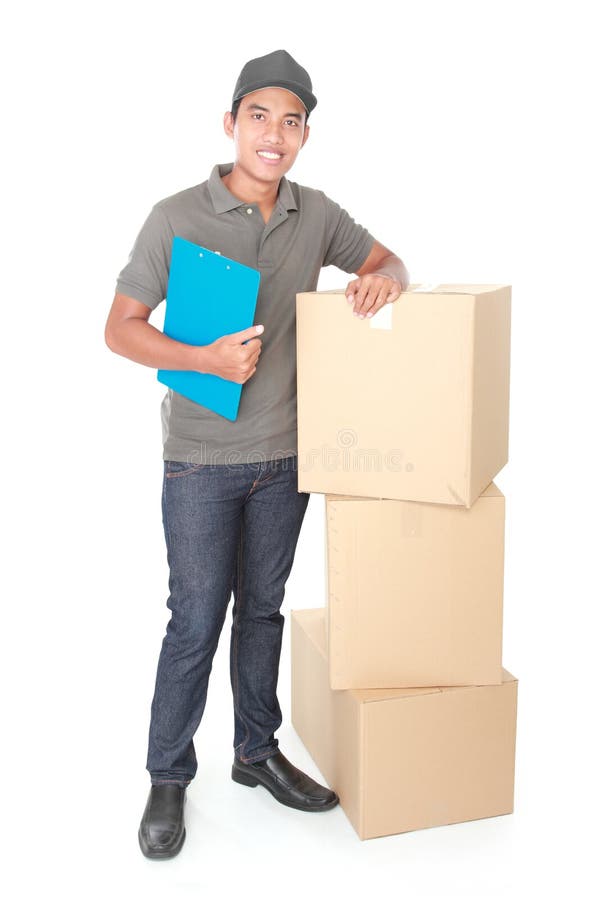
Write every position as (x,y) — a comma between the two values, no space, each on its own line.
(227,528)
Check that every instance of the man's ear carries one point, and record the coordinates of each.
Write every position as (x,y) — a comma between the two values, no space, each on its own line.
(228,123)
(306,133)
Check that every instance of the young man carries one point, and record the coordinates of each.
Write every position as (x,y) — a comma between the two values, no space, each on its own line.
(231,508)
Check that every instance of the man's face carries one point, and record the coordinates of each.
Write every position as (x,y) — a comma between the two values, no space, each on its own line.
(268,133)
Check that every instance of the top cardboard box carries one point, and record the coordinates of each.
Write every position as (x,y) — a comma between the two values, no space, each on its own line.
(411,404)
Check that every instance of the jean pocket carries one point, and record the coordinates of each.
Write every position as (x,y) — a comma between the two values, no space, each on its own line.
(176,469)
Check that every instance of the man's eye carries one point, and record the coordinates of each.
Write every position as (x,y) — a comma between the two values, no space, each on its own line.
(292,122)
(256,114)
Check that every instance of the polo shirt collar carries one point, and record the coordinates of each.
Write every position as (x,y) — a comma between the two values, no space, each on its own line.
(223,200)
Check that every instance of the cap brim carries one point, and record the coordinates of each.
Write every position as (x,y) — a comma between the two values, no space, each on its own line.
(308,100)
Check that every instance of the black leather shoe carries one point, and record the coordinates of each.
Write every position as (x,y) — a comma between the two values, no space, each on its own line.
(162,832)
(287,783)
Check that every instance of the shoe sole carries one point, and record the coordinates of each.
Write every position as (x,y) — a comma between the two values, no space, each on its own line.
(160,854)
(250,781)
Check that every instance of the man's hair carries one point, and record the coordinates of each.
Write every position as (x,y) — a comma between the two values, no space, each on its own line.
(236,106)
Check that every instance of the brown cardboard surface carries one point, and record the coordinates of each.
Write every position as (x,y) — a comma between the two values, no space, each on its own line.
(415,591)
(417,411)
(405,759)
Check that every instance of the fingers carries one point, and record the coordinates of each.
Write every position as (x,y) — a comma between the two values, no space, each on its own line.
(375,291)
(372,292)
(394,293)
(246,334)
(381,300)
(352,289)
(247,369)
(250,352)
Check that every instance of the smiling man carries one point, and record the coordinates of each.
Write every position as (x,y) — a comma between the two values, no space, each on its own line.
(231,509)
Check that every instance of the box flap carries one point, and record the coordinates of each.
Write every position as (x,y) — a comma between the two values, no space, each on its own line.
(374,695)
(507,678)
(312,621)
(442,288)
(492,490)
(470,289)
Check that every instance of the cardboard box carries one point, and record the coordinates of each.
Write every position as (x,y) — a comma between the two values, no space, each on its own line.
(409,405)
(415,591)
(408,758)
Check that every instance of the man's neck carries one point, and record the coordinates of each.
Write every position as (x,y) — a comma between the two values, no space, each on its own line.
(249,190)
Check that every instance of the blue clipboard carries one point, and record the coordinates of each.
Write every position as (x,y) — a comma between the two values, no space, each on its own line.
(208,295)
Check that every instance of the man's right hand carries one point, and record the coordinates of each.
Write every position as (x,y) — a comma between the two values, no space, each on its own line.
(230,358)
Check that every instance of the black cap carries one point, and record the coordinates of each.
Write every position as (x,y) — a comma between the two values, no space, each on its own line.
(277,69)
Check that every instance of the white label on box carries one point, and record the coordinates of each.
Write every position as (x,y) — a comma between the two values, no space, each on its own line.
(383,318)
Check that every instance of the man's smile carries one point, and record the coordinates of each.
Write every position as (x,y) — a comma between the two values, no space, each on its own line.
(270,156)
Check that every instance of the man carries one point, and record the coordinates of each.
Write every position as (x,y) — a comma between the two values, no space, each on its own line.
(231,508)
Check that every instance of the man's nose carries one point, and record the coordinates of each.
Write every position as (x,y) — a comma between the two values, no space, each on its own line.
(273,133)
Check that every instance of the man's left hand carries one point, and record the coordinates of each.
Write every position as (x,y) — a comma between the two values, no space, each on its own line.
(370,292)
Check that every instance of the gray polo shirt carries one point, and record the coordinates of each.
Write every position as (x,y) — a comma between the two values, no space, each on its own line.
(305,232)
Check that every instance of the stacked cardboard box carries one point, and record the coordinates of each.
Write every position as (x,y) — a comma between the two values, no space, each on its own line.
(398,690)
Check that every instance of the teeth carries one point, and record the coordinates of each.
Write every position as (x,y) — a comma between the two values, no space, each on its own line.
(269,155)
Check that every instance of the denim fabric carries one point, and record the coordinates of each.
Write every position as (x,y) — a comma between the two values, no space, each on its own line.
(227,528)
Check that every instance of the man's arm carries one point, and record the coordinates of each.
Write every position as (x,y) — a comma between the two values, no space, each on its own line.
(382,278)
(129,333)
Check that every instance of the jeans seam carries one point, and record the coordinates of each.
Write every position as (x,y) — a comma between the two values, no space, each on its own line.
(194,468)
(240,597)
(166,518)
(171,781)
(251,490)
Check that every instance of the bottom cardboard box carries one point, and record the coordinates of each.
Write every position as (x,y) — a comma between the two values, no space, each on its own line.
(404,758)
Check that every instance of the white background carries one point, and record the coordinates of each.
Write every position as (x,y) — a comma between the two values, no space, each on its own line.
(463,136)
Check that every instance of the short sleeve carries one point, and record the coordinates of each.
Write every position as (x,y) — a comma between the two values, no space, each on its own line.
(347,243)
(146,274)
